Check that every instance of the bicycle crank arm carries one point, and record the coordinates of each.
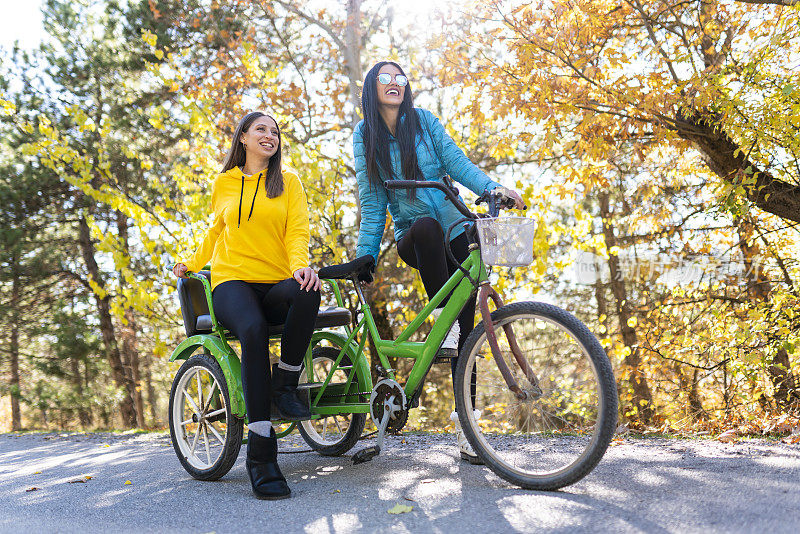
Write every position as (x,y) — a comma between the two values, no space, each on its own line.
(388,410)
(367,454)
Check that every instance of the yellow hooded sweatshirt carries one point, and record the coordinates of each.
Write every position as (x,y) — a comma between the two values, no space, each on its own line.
(254,238)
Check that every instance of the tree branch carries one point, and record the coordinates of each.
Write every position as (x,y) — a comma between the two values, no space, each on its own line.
(773,2)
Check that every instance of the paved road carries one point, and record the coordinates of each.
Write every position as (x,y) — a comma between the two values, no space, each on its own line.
(642,485)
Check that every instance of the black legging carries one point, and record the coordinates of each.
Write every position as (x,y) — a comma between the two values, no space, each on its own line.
(247,309)
(423,248)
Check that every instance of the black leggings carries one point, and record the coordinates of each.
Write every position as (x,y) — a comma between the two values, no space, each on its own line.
(247,309)
(423,248)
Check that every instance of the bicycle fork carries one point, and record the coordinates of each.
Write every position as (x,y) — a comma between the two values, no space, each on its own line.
(484,293)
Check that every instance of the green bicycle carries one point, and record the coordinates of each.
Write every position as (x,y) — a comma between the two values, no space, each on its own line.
(534,389)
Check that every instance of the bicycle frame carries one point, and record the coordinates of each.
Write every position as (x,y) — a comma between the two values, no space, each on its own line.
(423,352)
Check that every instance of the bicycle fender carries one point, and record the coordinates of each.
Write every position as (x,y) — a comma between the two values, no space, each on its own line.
(231,367)
(361,365)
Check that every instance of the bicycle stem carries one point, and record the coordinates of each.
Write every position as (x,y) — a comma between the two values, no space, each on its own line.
(484,293)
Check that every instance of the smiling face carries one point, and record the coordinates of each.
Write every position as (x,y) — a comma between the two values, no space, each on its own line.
(390,94)
(262,140)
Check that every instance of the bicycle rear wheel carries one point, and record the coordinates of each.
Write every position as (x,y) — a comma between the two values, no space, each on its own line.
(560,432)
(330,435)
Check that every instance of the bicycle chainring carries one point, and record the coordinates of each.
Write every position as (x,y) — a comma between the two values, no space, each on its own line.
(384,389)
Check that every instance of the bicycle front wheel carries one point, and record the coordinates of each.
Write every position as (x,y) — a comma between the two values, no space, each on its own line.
(560,431)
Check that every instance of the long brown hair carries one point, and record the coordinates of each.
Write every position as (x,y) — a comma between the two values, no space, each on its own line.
(376,134)
(237,156)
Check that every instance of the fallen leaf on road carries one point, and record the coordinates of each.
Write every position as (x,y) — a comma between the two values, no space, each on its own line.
(37,472)
(400,509)
(336,491)
(32,489)
(729,436)
(79,481)
(127,483)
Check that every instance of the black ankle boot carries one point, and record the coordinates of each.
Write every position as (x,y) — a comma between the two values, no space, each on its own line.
(285,398)
(262,465)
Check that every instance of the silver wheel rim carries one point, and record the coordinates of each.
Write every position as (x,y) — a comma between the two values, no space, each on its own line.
(331,429)
(200,418)
(509,454)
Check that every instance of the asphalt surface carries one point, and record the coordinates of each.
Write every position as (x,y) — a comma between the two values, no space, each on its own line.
(642,485)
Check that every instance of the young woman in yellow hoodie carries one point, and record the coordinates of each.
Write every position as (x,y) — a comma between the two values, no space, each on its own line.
(258,247)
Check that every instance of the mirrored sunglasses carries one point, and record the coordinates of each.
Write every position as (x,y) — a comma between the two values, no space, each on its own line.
(385,78)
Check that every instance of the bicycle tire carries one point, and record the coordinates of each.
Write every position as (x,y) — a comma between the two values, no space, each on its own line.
(551,424)
(233,429)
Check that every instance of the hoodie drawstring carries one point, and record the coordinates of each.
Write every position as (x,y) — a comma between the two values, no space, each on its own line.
(252,204)
(241,194)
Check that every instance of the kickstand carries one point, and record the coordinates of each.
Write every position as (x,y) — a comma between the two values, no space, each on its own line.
(368,453)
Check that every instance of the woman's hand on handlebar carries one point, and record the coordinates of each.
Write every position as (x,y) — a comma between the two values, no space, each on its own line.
(307,278)
(513,195)
(180,270)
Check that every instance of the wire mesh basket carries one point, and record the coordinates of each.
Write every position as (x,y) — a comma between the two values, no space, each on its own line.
(506,241)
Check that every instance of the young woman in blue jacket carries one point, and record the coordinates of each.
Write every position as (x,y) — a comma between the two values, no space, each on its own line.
(397,141)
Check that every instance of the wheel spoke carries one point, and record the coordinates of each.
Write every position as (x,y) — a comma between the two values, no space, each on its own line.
(338,426)
(215,412)
(208,451)
(199,389)
(194,441)
(214,431)
(188,398)
(210,394)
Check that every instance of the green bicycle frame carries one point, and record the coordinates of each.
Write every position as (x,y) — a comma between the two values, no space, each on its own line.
(423,352)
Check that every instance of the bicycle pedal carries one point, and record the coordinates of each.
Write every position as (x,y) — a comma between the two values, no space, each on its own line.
(442,359)
(365,455)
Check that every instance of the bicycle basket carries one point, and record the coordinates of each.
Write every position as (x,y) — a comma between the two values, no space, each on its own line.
(506,241)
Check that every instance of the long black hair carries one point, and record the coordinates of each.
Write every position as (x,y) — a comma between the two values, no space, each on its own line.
(237,156)
(376,134)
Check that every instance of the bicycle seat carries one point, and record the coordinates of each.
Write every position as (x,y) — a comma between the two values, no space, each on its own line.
(194,306)
(197,318)
(347,270)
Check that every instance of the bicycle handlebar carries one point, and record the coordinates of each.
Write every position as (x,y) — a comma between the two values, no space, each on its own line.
(495,203)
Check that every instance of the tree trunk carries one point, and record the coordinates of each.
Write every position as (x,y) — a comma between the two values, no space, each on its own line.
(642,397)
(126,405)
(730,162)
(151,391)
(84,416)
(688,384)
(758,285)
(602,303)
(783,381)
(352,56)
(130,354)
(16,420)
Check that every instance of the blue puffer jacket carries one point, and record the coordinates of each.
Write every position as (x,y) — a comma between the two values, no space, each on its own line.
(437,156)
